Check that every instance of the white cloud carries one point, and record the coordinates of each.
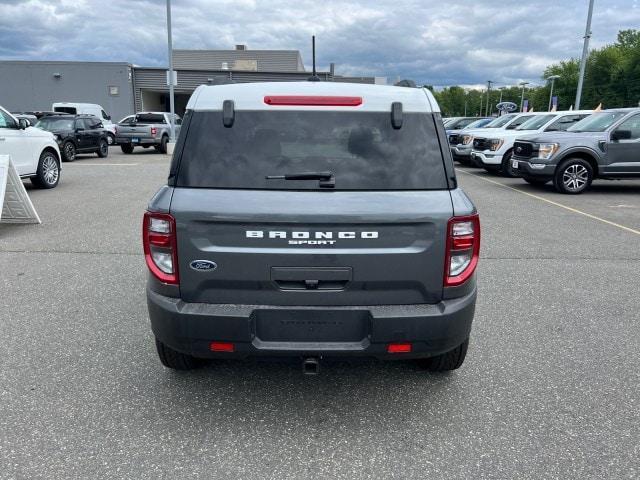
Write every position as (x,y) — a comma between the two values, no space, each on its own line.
(431,41)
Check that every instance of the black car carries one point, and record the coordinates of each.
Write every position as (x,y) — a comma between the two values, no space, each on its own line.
(77,134)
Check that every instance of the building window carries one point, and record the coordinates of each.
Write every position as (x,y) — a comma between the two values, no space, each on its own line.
(114,90)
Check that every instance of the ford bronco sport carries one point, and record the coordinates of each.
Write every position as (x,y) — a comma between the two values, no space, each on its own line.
(311,220)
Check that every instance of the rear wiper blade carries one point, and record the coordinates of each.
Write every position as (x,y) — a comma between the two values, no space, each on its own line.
(327,179)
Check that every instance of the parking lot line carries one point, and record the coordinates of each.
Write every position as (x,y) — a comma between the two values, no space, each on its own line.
(566,207)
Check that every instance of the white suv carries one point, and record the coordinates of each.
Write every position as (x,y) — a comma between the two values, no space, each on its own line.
(494,150)
(34,152)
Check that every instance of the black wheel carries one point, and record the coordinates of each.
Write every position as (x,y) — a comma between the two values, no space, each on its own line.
(48,173)
(573,176)
(491,169)
(126,148)
(506,168)
(163,144)
(450,360)
(103,149)
(175,360)
(538,182)
(69,152)
(111,139)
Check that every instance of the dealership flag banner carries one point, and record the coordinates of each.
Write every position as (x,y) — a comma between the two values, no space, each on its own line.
(14,200)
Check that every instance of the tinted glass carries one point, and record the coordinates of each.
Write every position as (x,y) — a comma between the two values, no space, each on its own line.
(518,121)
(6,121)
(479,123)
(598,122)
(500,121)
(536,122)
(150,118)
(631,125)
(361,149)
(55,124)
(460,123)
(71,110)
(564,122)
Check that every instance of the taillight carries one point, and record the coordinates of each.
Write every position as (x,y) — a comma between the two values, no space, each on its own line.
(154,130)
(463,249)
(313,100)
(160,246)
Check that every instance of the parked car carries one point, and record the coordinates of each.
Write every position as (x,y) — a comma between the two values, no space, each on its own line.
(494,151)
(76,134)
(89,109)
(462,144)
(147,129)
(33,152)
(453,136)
(311,220)
(29,116)
(605,145)
(460,123)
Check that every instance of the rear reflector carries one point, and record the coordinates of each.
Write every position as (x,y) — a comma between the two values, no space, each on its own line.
(313,100)
(221,347)
(399,348)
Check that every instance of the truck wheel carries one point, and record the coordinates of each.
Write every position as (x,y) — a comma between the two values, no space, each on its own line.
(491,169)
(573,176)
(126,148)
(163,144)
(175,360)
(538,182)
(69,152)
(506,168)
(103,149)
(111,139)
(450,360)
(48,173)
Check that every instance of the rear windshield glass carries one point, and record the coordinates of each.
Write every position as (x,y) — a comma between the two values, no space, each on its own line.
(71,110)
(53,124)
(150,118)
(361,149)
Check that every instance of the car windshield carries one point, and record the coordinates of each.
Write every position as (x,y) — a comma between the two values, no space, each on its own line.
(478,123)
(361,149)
(536,122)
(598,122)
(460,123)
(500,121)
(518,121)
(53,124)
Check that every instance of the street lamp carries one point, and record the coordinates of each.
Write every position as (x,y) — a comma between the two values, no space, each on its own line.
(522,84)
(489,82)
(553,79)
(172,128)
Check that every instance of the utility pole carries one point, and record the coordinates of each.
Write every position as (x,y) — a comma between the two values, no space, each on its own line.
(522,84)
(172,127)
(501,92)
(489,82)
(553,80)
(481,95)
(585,52)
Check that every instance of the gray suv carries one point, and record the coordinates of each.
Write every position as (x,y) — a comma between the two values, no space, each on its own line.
(311,220)
(604,145)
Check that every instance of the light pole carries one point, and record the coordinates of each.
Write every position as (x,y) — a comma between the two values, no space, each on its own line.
(585,52)
(522,84)
(501,92)
(553,81)
(171,96)
(489,82)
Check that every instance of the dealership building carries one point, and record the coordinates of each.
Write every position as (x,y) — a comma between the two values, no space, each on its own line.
(122,88)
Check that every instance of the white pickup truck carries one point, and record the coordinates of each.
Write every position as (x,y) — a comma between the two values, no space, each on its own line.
(146,129)
(494,150)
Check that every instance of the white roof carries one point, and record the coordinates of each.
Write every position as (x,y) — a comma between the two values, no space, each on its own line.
(250,96)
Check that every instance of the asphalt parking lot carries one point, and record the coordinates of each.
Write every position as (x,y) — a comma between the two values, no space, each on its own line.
(549,388)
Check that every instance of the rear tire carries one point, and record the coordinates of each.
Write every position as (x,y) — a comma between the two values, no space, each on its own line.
(573,176)
(103,149)
(448,361)
(126,148)
(163,144)
(48,173)
(175,360)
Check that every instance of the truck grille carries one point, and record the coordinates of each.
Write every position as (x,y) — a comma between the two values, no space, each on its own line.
(523,149)
(481,144)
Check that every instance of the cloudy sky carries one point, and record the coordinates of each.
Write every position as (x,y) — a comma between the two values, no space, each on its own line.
(437,42)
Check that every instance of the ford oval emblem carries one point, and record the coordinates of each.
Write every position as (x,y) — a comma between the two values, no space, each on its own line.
(203,265)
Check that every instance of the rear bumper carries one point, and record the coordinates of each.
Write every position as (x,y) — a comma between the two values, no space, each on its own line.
(141,141)
(432,329)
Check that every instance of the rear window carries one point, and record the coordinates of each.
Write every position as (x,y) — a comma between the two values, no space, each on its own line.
(150,118)
(71,110)
(361,149)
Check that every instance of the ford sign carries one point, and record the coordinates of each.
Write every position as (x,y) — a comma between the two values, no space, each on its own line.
(203,265)
(507,107)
